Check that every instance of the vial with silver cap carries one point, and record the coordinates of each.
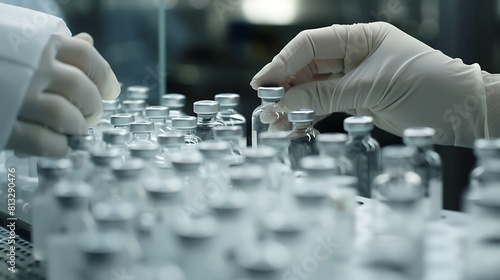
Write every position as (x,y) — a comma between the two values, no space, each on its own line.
(280,141)
(80,157)
(228,114)
(136,108)
(232,135)
(122,121)
(103,255)
(334,145)
(128,183)
(427,163)
(159,116)
(170,143)
(141,133)
(101,176)
(214,168)
(187,126)
(117,139)
(148,153)
(363,150)
(119,217)
(399,203)
(302,137)
(45,212)
(72,199)
(487,151)
(110,107)
(175,103)
(206,110)
(268,112)
(138,93)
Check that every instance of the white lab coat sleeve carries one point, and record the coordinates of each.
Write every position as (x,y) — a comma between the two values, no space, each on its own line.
(24,34)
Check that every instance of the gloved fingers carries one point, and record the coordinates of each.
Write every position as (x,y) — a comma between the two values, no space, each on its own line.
(84,56)
(55,112)
(318,66)
(33,139)
(352,43)
(77,88)
(317,96)
(85,37)
(281,124)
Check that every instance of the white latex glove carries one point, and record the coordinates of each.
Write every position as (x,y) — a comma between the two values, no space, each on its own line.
(376,69)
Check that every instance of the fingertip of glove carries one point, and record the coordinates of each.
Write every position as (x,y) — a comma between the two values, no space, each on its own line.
(85,37)
(112,89)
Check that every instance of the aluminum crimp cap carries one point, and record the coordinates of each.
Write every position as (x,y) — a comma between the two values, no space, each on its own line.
(319,165)
(110,105)
(131,168)
(275,139)
(141,127)
(115,136)
(173,100)
(187,122)
(228,132)
(134,105)
(332,141)
(72,194)
(247,175)
(80,142)
(261,155)
(419,136)
(104,157)
(271,93)
(170,139)
(144,151)
(358,124)
(228,100)
(302,115)
(53,168)
(122,119)
(209,107)
(487,147)
(138,92)
(186,161)
(158,112)
(213,149)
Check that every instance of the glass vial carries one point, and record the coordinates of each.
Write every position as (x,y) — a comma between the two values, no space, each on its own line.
(206,110)
(175,103)
(122,121)
(302,137)
(335,146)
(135,108)
(110,107)
(187,125)
(363,150)
(268,112)
(159,116)
(141,133)
(229,115)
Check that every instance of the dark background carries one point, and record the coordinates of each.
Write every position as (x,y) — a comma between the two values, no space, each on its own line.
(212,50)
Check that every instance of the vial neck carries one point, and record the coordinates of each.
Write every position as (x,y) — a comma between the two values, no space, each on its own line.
(142,136)
(302,127)
(358,136)
(158,120)
(269,101)
(170,149)
(283,156)
(122,126)
(206,119)
(228,111)
(106,114)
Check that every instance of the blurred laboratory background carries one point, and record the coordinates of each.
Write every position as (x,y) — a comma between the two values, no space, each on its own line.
(216,46)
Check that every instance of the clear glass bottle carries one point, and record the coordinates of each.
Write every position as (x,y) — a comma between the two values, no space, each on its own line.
(363,150)
(165,198)
(487,151)
(214,169)
(80,157)
(334,145)
(228,114)
(170,143)
(103,255)
(72,199)
(187,126)
(110,107)
(159,116)
(138,93)
(231,135)
(427,163)
(128,183)
(280,142)
(269,111)
(117,139)
(101,175)
(399,204)
(148,153)
(206,110)
(46,214)
(119,217)
(302,137)
(135,108)
(122,121)
(141,133)
(175,102)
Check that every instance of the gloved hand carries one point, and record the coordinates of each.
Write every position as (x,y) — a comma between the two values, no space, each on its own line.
(377,70)
(64,96)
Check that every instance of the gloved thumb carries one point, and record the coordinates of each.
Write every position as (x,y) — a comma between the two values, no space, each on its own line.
(85,37)
(317,96)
